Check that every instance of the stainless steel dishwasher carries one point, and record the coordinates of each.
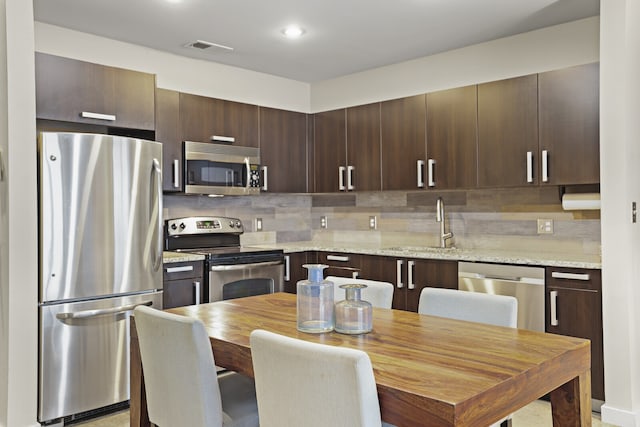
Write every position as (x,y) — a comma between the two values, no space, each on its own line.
(523,282)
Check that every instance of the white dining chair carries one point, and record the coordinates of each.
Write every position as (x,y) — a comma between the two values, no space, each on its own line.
(498,310)
(299,383)
(379,294)
(181,383)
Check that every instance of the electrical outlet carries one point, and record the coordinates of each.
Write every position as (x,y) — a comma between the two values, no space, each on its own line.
(258,224)
(545,226)
(323,221)
(373,222)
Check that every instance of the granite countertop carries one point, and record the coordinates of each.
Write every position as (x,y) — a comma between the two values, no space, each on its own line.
(455,254)
(170,257)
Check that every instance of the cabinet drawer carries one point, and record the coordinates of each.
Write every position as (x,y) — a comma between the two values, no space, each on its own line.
(573,278)
(340,264)
(182,270)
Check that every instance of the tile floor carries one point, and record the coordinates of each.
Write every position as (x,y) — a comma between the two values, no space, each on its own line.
(536,414)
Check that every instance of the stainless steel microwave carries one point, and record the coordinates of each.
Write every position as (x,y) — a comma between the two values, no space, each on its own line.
(220,169)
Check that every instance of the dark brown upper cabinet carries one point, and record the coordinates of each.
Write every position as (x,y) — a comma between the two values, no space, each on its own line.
(205,119)
(568,108)
(329,150)
(283,151)
(452,155)
(403,123)
(508,132)
(363,168)
(82,92)
(168,133)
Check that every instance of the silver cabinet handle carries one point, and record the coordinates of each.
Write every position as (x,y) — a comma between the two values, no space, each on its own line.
(176,173)
(399,264)
(420,165)
(410,284)
(219,138)
(355,274)
(529,166)
(341,170)
(554,307)
(180,269)
(570,276)
(100,312)
(265,179)
(430,170)
(350,185)
(545,166)
(287,268)
(90,115)
(340,258)
(196,289)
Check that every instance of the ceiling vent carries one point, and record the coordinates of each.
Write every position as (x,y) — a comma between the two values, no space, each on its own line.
(212,47)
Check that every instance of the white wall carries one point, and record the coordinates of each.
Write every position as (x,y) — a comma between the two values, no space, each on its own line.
(541,50)
(18,218)
(176,72)
(620,185)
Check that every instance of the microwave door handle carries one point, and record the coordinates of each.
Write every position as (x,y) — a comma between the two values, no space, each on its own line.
(248,175)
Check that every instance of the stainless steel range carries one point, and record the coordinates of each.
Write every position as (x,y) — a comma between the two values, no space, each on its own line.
(233,271)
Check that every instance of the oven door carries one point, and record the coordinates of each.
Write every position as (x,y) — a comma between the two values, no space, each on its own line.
(243,280)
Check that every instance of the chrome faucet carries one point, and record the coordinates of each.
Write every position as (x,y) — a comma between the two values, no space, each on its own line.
(440,218)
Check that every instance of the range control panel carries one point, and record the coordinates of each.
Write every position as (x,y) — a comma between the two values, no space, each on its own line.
(203,225)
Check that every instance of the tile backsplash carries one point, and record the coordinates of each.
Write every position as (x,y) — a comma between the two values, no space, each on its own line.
(492,218)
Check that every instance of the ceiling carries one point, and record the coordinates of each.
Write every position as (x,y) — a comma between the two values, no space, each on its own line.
(342,36)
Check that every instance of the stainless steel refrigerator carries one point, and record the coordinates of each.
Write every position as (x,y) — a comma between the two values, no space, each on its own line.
(100,230)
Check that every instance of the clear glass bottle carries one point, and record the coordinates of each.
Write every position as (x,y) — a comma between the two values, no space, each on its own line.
(353,315)
(315,301)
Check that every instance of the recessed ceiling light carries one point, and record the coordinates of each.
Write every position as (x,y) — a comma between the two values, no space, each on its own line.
(293,32)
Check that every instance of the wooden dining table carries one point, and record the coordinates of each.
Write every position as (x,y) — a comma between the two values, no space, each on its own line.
(429,371)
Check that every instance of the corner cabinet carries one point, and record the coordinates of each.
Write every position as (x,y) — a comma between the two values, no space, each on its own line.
(574,308)
(283,151)
(507,132)
(168,133)
(82,92)
(568,108)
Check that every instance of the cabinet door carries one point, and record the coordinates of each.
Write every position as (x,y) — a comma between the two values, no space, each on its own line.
(363,148)
(329,149)
(403,123)
(65,88)
(294,270)
(135,99)
(283,150)
(452,138)
(507,132)
(568,107)
(387,269)
(429,273)
(168,133)
(178,293)
(237,120)
(574,308)
(197,117)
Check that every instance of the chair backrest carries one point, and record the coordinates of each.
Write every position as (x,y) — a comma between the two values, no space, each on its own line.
(299,383)
(500,310)
(179,370)
(379,294)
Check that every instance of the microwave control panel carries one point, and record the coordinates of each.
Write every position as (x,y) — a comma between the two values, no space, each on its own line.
(254,176)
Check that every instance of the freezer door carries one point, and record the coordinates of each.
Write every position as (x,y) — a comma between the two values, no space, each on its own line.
(100,215)
(84,354)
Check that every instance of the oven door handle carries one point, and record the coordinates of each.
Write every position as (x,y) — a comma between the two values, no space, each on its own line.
(243,266)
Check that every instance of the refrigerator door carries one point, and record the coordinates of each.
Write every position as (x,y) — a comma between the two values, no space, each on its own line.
(100,215)
(84,354)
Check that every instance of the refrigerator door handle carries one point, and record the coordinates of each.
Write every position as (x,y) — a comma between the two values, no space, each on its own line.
(156,210)
(85,314)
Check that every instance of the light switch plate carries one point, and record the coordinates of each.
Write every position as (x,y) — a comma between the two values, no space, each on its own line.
(545,226)
(323,221)
(258,224)
(373,222)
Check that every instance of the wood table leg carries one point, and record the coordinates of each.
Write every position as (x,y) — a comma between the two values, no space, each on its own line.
(138,415)
(571,403)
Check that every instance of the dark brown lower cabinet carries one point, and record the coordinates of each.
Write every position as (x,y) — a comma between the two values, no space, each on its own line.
(294,270)
(182,284)
(574,308)
(409,276)
(340,264)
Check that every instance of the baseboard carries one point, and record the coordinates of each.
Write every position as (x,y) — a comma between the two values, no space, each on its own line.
(619,417)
